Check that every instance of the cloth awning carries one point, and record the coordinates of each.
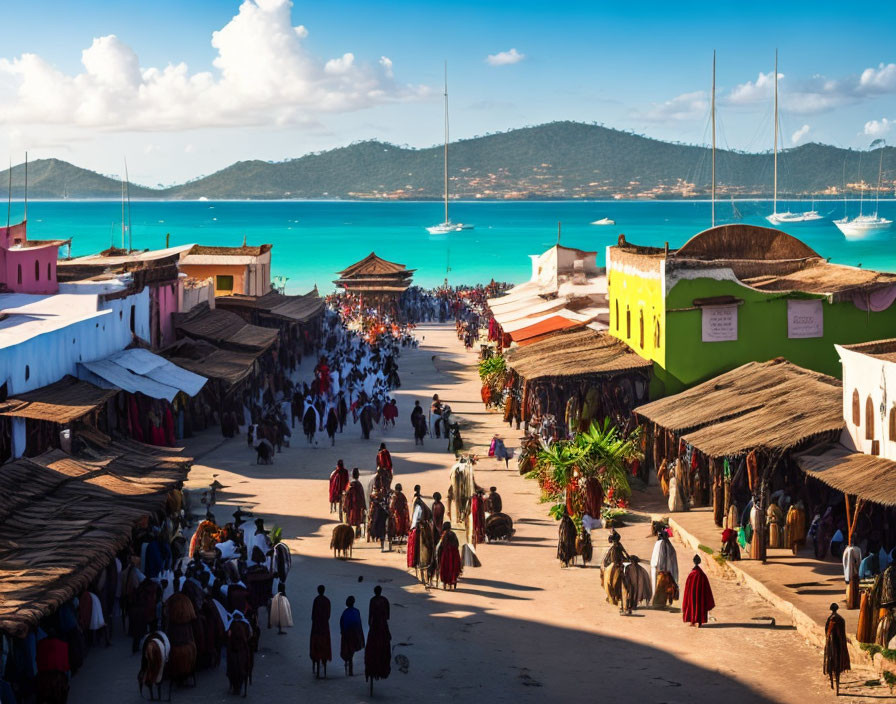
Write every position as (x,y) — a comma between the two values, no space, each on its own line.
(62,402)
(575,353)
(299,309)
(532,333)
(141,371)
(772,405)
(864,476)
(63,519)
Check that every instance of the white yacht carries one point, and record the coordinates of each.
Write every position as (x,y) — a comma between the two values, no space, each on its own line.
(604,221)
(863,225)
(445,227)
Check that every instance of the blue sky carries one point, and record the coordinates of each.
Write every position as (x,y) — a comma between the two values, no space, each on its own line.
(152,86)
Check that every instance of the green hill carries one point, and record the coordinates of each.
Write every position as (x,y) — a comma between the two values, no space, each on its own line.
(560,160)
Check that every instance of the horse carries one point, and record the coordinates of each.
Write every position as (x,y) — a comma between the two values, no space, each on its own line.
(342,540)
(498,526)
(155,650)
(280,560)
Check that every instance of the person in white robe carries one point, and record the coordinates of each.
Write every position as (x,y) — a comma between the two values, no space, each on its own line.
(664,558)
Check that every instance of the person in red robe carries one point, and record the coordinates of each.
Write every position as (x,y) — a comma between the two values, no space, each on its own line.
(378,650)
(477,511)
(322,373)
(697,601)
(401,516)
(320,632)
(448,557)
(384,459)
(354,505)
(338,484)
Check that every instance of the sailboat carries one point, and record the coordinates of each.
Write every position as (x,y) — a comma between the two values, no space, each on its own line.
(786,217)
(443,228)
(863,225)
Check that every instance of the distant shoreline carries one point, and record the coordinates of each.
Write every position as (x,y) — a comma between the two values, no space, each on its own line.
(783,199)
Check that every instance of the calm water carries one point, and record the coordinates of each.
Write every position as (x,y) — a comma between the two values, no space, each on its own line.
(314,240)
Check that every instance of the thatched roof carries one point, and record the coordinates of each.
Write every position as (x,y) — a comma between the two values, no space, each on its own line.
(577,353)
(62,402)
(864,476)
(372,265)
(881,349)
(772,405)
(299,308)
(225,329)
(739,241)
(201,357)
(63,519)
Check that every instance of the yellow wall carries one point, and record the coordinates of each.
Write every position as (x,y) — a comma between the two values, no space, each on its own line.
(638,290)
(203,271)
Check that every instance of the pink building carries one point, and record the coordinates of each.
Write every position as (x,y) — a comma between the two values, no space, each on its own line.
(27,266)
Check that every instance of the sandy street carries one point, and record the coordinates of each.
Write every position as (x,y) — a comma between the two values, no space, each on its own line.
(519,628)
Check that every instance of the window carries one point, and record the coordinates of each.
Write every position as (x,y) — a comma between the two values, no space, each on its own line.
(856,408)
(20,273)
(27,372)
(893,424)
(869,419)
(49,272)
(224,283)
(656,333)
(133,319)
(641,326)
(37,270)
(628,323)
(618,323)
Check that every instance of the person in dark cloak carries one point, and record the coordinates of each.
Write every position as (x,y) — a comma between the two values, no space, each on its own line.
(836,652)
(493,503)
(378,651)
(566,545)
(418,423)
(354,504)
(341,411)
(332,425)
(352,632)
(366,421)
(438,514)
(320,633)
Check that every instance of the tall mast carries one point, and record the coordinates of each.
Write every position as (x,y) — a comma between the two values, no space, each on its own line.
(127,186)
(25,218)
(775,204)
(9,198)
(446,142)
(122,211)
(713,137)
(880,171)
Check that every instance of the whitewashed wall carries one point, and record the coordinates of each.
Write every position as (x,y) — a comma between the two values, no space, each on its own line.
(876,378)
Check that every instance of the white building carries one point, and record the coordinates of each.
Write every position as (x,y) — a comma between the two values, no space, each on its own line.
(869,396)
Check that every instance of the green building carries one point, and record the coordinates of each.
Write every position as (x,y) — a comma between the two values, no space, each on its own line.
(738,293)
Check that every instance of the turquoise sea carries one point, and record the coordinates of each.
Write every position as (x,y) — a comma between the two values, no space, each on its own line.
(314,240)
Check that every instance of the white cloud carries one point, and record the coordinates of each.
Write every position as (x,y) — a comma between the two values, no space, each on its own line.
(262,75)
(878,128)
(797,136)
(760,90)
(686,107)
(504,58)
(817,94)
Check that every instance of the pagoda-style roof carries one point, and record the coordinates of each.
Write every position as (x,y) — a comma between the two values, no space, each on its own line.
(375,274)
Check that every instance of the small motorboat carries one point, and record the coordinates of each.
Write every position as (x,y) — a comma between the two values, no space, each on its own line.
(604,221)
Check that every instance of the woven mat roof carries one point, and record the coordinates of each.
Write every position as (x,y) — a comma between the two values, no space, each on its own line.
(864,476)
(62,402)
(299,308)
(768,405)
(372,265)
(62,520)
(226,329)
(202,357)
(581,352)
